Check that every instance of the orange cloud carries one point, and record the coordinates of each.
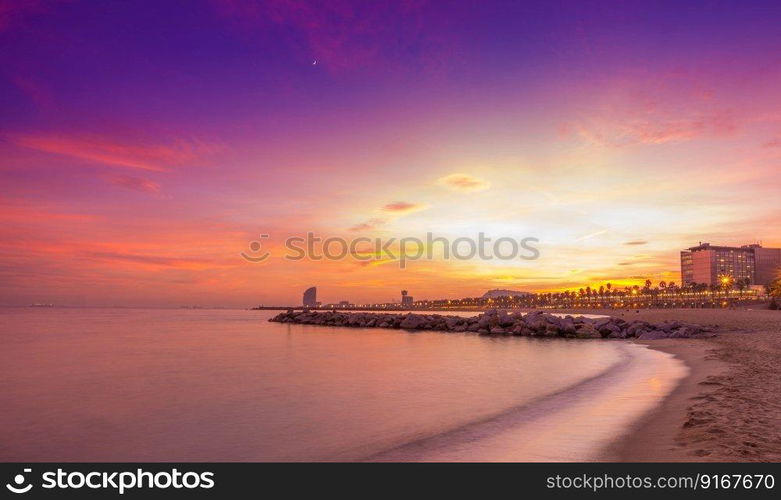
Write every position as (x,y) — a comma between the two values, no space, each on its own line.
(464,182)
(397,208)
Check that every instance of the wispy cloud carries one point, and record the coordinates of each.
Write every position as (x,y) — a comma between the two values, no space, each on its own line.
(464,182)
(652,109)
(105,151)
(24,211)
(134,183)
(628,131)
(591,235)
(368,225)
(635,242)
(155,260)
(391,211)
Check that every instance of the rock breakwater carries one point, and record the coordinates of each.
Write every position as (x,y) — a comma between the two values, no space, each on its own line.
(503,322)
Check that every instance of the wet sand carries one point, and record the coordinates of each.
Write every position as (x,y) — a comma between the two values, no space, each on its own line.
(729,407)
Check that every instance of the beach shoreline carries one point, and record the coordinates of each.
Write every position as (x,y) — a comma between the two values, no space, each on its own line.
(728,408)
(655,437)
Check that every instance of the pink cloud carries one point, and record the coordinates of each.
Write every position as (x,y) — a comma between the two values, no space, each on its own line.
(14,211)
(135,183)
(643,108)
(402,207)
(154,157)
(155,260)
(368,225)
(629,130)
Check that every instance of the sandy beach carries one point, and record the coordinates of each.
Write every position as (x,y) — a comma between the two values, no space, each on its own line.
(729,407)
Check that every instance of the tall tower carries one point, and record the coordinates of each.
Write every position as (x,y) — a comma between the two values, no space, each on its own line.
(310,297)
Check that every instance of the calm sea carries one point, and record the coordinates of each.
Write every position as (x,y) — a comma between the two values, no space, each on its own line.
(226,385)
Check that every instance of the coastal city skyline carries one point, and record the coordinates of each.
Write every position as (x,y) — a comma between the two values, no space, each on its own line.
(751,271)
(616,137)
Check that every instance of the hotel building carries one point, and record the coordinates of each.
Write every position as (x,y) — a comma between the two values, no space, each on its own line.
(708,263)
(310,297)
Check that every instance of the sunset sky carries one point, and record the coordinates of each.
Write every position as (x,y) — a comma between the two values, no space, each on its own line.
(144,145)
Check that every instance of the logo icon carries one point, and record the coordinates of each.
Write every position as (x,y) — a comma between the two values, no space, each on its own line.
(255,247)
(19,481)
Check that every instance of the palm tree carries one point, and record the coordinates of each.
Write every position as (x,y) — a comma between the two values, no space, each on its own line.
(714,288)
(741,285)
(774,289)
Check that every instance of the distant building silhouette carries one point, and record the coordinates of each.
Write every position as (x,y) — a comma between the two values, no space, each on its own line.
(310,297)
(708,264)
(406,300)
(495,294)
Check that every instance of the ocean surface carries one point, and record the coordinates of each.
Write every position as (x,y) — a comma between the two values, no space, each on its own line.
(226,385)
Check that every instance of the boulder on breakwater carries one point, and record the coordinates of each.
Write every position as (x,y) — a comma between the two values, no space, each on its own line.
(503,322)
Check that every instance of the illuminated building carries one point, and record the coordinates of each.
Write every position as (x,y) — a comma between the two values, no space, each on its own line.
(712,264)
